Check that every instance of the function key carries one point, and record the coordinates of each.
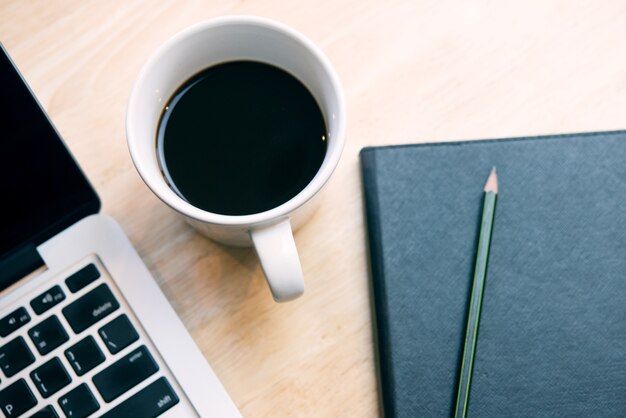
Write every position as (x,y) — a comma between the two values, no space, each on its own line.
(84,355)
(90,308)
(15,356)
(48,335)
(79,402)
(47,300)
(47,412)
(151,401)
(82,278)
(118,334)
(50,377)
(125,373)
(13,321)
(16,399)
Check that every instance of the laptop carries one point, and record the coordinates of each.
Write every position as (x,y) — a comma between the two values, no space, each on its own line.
(84,329)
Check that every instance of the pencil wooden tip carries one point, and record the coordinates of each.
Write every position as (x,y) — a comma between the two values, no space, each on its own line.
(492,182)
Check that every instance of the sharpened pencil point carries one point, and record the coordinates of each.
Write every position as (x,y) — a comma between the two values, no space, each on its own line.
(492,182)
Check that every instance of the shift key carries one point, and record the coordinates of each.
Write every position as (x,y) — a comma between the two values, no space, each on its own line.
(125,373)
(149,402)
(90,308)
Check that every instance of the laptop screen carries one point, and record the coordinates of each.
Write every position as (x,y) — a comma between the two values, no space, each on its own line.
(43,189)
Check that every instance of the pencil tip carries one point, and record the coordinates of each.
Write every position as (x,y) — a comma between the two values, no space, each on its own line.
(492,182)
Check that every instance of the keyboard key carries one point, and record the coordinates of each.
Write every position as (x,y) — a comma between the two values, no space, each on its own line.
(15,356)
(48,335)
(13,321)
(50,377)
(82,278)
(47,412)
(84,355)
(79,402)
(125,373)
(151,401)
(16,399)
(118,334)
(90,308)
(47,300)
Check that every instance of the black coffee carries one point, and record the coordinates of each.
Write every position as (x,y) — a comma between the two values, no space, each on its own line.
(240,138)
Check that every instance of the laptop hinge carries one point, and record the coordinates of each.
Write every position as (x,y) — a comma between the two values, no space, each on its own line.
(19,263)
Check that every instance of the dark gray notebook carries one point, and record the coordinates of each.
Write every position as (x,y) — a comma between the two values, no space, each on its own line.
(552,334)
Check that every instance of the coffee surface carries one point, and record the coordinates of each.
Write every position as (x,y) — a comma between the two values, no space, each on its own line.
(241,137)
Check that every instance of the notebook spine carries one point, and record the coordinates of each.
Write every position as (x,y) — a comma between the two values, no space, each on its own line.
(377,282)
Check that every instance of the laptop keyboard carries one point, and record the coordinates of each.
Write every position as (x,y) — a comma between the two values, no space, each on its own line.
(74,350)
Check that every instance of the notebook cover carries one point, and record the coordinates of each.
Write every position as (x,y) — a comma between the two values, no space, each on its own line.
(552,336)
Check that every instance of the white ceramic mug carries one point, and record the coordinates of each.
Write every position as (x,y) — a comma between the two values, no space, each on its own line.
(228,39)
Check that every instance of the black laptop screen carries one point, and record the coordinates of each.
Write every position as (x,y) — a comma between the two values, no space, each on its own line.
(43,190)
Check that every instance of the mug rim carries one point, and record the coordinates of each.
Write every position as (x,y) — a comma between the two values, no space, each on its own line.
(169,197)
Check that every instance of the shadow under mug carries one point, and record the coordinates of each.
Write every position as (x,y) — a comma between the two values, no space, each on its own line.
(229,39)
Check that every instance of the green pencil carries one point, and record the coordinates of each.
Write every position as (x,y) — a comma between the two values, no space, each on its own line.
(480,272)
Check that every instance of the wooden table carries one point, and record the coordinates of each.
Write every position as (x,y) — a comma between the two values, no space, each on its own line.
(413,71)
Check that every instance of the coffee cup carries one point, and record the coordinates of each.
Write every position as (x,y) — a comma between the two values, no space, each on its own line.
(219,41)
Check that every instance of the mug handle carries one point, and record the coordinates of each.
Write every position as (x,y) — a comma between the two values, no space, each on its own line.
(277,252)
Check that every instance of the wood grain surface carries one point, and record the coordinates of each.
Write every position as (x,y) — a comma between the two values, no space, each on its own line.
(413,71)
